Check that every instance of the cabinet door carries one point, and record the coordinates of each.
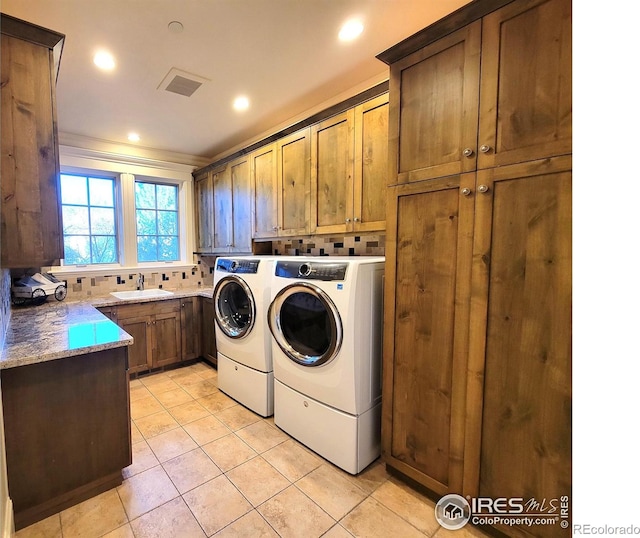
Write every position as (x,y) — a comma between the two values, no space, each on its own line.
(31,218)
(241,184)
(332,146)
(371,165)
(204,213)
(264,178)
(140,352)
(190,328)
(519,398)
(207,331)
(525,97)
(167,342)
(433,113)
(222,211)
(294,183)
(427,278)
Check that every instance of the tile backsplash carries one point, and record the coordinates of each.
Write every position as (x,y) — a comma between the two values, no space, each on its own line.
(84,287)
(358,245)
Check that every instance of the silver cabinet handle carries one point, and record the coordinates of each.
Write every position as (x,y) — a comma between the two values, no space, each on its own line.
(348,221)
(466,191)
(483,188)
(356,219)
(485,148)
(468,152)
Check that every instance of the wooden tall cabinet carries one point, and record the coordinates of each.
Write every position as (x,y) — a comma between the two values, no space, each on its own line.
(31,218)
(477,343)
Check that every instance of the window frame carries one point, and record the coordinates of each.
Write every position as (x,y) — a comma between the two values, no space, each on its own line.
(126,238)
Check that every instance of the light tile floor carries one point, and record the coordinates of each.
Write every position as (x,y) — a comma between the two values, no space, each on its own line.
(203,465)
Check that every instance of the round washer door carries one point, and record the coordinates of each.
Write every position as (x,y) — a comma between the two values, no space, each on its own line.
(235,307)
(306,324)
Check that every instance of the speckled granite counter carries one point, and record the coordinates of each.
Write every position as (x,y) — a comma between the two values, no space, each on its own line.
(56,330)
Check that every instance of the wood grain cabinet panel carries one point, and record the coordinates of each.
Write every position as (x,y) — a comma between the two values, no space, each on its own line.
(332,168)
(294,183)
(190,324)
(232,208)
(204,213)
(264,180)
(207,331)
(434,108)
(525,92)
(427,275)
(31,218)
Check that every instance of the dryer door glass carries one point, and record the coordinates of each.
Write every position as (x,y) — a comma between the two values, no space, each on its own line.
(306,324)
(235,307)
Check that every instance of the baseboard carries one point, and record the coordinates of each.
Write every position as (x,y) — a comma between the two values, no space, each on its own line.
(7,519)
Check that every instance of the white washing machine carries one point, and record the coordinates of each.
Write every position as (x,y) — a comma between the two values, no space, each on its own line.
(241,296)
(326,321)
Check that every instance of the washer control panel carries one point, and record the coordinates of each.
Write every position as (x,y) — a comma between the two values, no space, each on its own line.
(237,265)
(311,270)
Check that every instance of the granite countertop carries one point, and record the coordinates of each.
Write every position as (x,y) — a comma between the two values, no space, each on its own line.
(56,330)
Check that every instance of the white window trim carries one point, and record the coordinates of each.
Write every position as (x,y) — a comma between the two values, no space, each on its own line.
(129,168)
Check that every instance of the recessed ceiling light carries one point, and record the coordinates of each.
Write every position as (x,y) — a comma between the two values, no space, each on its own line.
(175,27)
(133,137)
(104,60)
(241,103)
(350,30)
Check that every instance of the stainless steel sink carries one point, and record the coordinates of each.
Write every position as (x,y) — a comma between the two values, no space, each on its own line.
(141,294)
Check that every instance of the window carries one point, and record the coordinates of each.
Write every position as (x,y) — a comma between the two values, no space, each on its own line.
(88,220)
(157,222)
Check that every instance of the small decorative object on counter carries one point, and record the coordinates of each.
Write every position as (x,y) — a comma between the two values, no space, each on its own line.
(34,289)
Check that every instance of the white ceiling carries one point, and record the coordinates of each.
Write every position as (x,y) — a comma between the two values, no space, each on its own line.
(283,54)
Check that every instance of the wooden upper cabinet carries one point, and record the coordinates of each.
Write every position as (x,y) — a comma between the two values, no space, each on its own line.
(332,166)
(204,213)
(433,113)
(371,171)
(525,93)
(294,183)
(232,208)
(264,179)
(31,216)
(349,169)
(222,210)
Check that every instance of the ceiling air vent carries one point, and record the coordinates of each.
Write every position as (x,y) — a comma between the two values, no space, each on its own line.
(181,82)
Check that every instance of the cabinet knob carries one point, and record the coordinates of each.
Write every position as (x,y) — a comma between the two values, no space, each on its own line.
(356,219)
(348,221)
(275,228)
(468,152)
(483,188)
(182,305)
(485,148)
(466,191)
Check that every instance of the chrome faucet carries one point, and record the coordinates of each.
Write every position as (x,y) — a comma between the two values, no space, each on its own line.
(140,282)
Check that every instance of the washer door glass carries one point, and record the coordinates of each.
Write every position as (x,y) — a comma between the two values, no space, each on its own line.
(235,307)
(306,324)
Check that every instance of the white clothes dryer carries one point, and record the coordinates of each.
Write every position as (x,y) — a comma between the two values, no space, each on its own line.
(241,295)
(326,321)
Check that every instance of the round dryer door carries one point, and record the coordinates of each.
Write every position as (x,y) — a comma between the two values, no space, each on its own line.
(306,324)
(235,307)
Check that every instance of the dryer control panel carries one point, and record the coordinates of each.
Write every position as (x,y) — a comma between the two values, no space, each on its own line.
(235,265)
(311,270)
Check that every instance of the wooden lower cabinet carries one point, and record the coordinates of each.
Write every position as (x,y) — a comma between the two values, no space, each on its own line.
(477,356)
(190,323)
(207,331)
(67,431)
(157,333)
